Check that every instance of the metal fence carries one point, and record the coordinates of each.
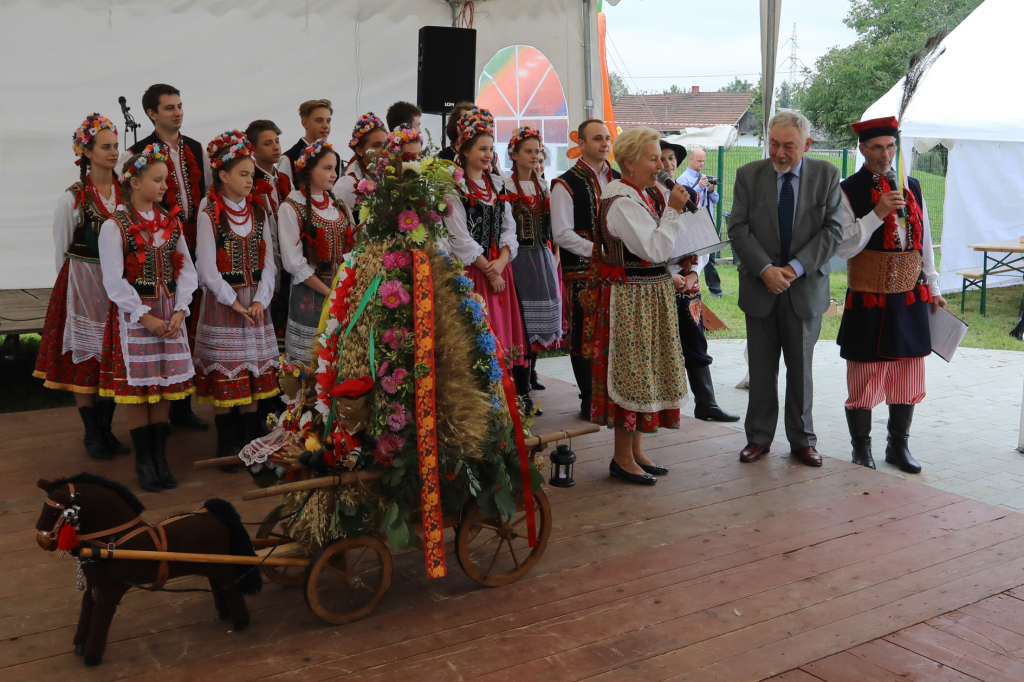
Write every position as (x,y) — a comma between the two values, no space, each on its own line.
(928,168)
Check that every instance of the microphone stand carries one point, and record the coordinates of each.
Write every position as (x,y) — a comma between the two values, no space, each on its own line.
(129,123)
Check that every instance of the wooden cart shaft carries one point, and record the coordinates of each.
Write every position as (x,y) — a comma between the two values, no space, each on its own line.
(141,555)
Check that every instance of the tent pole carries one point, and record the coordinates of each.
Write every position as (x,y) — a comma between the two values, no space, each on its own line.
(588,81)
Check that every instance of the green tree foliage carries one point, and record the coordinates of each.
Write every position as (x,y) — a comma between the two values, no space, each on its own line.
(617,85)
(847,80)
(738,85)
(674,90)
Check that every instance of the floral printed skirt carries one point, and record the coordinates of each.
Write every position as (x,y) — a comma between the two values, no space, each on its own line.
(638,373)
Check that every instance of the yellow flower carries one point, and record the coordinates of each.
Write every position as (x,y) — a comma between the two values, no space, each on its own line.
(419,235)
(364,213)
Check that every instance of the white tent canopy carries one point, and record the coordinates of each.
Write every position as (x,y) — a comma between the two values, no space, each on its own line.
(967,104)
(234,61)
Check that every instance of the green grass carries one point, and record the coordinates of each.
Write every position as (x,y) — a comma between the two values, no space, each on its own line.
(991,331)
(19,390)
(933,187)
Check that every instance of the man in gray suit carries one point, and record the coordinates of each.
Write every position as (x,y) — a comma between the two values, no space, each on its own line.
(785,226)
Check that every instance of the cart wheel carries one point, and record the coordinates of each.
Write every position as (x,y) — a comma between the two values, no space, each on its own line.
(273,528)
(347,579)
(495,550)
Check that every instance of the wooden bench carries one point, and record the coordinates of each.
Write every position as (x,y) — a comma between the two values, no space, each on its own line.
(974,279)
(23,311)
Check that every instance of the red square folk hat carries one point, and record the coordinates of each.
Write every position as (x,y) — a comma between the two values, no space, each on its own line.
(876,127)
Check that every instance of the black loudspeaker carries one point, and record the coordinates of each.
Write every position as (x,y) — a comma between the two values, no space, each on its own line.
(446,73)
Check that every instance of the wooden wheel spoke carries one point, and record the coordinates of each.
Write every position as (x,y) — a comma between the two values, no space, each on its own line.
(367,571)
(480,547)
(359,560)
(497,551)
(481,524)
(512,551)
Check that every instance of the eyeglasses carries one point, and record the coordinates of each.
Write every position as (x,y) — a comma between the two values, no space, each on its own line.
(877,148)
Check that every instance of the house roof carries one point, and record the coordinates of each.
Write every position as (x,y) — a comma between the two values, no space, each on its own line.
(676,111)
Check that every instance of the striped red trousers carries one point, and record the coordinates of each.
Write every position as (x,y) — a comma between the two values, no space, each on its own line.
(897,382)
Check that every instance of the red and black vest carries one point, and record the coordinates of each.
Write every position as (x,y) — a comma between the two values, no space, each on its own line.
(325,250)
(239,259)
(149,268)
(91,216)
(585,191)
(618,263)
(533,218)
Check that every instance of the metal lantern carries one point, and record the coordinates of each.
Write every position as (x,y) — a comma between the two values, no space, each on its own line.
(562,460)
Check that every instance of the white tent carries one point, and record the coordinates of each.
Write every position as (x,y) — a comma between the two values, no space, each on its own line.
(968,104)
(64,59)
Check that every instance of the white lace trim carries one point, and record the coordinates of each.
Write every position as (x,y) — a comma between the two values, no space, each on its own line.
(178,360)
(298,342)
(86,305)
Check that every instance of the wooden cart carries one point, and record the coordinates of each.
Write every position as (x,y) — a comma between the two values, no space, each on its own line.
(347,578)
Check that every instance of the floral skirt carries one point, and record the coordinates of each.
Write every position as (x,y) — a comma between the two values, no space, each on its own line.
(72,338)
(537,287)
(638,371)
(139,367)
(502,312)
(304,309)
(244,389)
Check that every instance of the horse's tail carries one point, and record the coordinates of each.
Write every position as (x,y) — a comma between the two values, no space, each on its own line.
(239,543)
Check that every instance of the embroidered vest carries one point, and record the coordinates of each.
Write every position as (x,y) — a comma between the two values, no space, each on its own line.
(191,211)
(533,221)
(146,267)
(484,223)
(239,259)
(333,240)
(85,239)
(619,264)
(585,191)
(858,188)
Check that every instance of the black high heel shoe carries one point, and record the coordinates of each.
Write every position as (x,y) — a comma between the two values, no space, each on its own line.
(654,469)
(640,479)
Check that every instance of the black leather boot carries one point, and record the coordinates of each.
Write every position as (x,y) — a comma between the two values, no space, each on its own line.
(859,422)
(581,369)
(227,433)
(93,440)
(896,452)
(251,427)
(705,406)
(163,472)
(142,439)
(182,415)
(535,383)
(105,413)
(521,378)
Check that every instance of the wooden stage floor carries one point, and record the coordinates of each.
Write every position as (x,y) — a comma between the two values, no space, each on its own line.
(721,571)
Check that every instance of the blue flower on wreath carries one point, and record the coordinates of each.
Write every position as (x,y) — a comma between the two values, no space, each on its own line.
(475,307)
(495,403)
(494,373)
(465,283)
(486,342)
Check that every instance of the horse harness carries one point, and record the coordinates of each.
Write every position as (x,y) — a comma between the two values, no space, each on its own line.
(69,516)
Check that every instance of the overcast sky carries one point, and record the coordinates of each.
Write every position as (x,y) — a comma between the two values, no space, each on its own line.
(710,42)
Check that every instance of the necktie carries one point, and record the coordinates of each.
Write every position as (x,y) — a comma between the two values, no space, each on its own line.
(787,206)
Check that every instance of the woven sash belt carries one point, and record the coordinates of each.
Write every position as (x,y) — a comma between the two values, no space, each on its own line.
(883,272)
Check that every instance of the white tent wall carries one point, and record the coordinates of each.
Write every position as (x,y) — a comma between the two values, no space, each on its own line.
(234,61)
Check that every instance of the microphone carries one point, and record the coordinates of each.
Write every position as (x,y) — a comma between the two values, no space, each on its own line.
(666,179)
(890,177)
(122,101)
(129,122)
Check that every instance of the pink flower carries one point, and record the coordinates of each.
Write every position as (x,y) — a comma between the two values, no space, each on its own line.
(383,369)
(408,220)
(399,418)
(394,382)
(433,217)
(458,175)
(395,336)
(387,446)
(366,186)
(394,294)
(397,260)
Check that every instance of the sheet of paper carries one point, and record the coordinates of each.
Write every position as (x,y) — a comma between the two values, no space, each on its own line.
(947,332)
(699,237)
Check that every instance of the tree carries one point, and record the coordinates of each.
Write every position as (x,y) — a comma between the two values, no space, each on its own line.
(617,85)
(738,85)
(674,90)
(789,96)
(847,80)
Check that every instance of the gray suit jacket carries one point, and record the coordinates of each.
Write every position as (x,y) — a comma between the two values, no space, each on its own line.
(754,231)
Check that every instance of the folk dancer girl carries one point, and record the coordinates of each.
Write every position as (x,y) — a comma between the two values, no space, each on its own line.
(631,332)
(369,141)
(535,268)
(482,234)
(72,339)
(149,279)
(236,354)
(316,232)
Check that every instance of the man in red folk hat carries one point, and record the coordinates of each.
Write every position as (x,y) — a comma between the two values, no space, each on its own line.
(893,289)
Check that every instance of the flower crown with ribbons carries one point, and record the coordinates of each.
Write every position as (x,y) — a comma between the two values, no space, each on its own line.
(158,152)
(90,127)
(311,151)
(229,145)
(524,133)
(366,124)
(403,134)
(474,122)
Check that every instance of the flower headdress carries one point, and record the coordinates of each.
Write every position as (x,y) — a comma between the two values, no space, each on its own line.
(366,124)
(474,122)
(311,151)
(524,133)
(229,145)
(158,152)
(402,134)
(90,127)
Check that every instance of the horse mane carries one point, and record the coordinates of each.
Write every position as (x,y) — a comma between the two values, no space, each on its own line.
(119,489)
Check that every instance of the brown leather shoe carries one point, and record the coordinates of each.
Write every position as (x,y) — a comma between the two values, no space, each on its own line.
(753,452)
(808,456)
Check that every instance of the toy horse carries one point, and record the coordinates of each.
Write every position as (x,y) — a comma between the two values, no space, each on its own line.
(91,510)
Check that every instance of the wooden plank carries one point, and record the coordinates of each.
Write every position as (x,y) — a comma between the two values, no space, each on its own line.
(958,654)
(979,632)
(844,667)
(797,675)
(1002,610)
(907,664)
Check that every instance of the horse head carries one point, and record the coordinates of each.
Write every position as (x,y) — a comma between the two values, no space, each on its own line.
(84,503)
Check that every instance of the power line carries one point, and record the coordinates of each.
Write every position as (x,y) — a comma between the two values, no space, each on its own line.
(623,62)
